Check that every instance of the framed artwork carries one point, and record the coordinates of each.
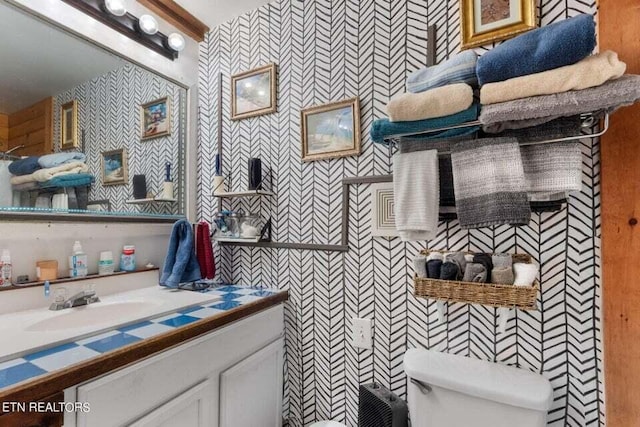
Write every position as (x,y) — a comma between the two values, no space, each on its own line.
(69,125)
(155,117)
(114,167)
(253,93)
(383,220)
(485,21)
(330,131)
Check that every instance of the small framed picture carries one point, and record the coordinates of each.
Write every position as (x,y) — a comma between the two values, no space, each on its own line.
(69,125)
(486,21)
(155,117)
(114,167)
(253,93)
(330,131)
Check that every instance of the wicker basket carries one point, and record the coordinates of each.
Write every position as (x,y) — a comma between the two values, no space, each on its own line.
(522,297)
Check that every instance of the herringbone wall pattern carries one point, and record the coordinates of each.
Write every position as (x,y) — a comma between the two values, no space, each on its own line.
(109,115)
(328,50)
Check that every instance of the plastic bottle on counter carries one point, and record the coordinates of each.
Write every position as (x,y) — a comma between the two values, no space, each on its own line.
(78,262)
(128,258)
(6,269)
(106,265)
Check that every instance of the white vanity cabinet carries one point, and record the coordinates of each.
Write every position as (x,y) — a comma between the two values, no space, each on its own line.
(213,380)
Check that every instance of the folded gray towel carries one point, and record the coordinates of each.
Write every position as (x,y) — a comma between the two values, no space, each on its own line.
(489,183)
(475,272)
(550,169)
(420,266)
(502,276)
(532,131)
(502,260)
(608,96)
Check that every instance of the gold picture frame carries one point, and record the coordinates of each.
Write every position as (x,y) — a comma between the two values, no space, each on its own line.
(486,21)
(69,125)
(155,118)
(253,92)
(331,130)
(115,167)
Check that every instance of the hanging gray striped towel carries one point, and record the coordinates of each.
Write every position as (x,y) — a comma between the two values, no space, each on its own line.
(489,183)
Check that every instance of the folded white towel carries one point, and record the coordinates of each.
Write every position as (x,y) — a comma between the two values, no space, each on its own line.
(590,72)
(438,102)
(416,194)
(43,175)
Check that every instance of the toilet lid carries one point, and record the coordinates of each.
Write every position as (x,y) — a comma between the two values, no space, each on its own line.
(327,424)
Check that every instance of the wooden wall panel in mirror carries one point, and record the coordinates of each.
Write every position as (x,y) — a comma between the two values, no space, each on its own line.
(78,125)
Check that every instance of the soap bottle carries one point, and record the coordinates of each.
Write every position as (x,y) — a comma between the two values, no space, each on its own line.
(78,261)
(128,258)
(5,268)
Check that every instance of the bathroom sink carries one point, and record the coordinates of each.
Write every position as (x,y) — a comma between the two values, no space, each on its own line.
(26,331)
(95,314)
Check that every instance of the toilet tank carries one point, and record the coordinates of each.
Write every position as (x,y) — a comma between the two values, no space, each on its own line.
(457,391)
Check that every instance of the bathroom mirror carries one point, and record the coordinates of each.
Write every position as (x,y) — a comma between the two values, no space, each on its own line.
(104,137)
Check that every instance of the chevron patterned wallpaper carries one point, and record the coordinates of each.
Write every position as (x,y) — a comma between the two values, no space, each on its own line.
(334,49)
(109,115)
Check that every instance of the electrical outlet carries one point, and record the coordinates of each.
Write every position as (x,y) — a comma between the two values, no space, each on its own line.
(361,333)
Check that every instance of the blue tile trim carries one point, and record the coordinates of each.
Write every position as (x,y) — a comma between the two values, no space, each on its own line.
(49,351)
(24,370)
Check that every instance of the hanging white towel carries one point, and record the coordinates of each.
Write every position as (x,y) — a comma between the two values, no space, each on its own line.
(416,194)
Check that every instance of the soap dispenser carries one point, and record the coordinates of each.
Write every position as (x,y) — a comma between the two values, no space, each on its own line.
(6,269)
(78,261)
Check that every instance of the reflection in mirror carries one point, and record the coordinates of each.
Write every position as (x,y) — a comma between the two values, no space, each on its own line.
(82,130)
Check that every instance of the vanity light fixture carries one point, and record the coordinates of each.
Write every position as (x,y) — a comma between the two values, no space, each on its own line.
(116,7)
(176,42)
(143,30)
(148,24)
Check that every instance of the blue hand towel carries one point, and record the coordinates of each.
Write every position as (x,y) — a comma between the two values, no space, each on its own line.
(70,180)
(57,159)
(383,128)
(181,264)
(24,166)
(556,45)
(460,68)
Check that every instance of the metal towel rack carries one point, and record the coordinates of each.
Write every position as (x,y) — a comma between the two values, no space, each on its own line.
(588,120)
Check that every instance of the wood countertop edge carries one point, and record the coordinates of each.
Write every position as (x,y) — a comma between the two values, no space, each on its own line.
(48,384)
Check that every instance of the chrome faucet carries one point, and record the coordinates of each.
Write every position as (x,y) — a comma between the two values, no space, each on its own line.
(81,298)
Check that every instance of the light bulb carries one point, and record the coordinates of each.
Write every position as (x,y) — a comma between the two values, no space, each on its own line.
(148,24)
(115,7)
(176,42)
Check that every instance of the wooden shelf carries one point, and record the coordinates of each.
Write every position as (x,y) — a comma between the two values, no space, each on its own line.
(247,193)
(149,200)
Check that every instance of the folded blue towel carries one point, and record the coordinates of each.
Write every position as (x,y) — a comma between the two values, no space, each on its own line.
(24,166)
(57,159)
(181,264)
(383,128)
(460,68)
(556,45)
(70,180)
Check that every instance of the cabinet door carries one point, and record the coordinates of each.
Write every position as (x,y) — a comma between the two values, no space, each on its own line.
(251,391)
(190,409)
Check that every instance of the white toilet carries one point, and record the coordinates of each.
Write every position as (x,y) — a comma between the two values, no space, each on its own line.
(456,391)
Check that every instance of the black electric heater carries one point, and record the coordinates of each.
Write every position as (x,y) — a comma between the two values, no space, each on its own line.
(379,407)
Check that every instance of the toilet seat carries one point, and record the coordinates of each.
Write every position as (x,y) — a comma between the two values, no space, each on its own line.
(327,424)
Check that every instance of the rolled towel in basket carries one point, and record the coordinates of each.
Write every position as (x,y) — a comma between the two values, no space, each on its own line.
(450,271)
(460,68)
(592,71)
(438,102)
(420,266)
(552,46)
(502,260)
(502,276)
(459,259)
(525,274)
(434,265)
(475,272)
(485,260)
